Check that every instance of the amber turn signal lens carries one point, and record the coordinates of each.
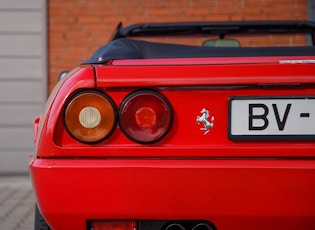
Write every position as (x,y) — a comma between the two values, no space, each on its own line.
(145,117)
(90,117)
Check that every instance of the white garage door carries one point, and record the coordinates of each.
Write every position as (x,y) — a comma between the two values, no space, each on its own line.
(23,78)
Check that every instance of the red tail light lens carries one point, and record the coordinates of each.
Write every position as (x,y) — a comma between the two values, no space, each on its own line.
(90,117)
(145,117)
(113,225)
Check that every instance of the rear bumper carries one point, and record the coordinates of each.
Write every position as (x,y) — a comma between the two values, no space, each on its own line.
(232,194)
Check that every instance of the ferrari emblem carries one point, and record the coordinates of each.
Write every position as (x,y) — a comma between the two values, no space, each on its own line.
(204,120)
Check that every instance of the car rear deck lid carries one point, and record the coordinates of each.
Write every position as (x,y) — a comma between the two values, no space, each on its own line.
(159,75)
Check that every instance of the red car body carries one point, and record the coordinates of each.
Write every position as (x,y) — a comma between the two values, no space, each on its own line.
(193,177)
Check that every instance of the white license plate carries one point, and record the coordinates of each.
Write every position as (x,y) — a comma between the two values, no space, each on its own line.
(272,118)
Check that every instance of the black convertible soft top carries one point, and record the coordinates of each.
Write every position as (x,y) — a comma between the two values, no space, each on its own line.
(215,28)
(122,47)
(125,48)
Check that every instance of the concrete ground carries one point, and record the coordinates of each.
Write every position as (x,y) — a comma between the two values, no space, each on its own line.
(17,203)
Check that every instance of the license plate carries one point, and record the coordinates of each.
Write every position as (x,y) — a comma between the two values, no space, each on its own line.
(272,118)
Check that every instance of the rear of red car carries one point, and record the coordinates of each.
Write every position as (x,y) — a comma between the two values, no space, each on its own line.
(215,143)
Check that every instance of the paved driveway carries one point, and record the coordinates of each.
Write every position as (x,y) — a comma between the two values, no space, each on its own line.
(16,203)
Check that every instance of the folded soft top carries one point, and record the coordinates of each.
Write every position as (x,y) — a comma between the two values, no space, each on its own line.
(124,48)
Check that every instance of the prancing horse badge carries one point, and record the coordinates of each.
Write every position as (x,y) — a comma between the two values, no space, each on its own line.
(204,120)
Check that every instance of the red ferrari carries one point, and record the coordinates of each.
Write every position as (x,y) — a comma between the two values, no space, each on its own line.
(151,133)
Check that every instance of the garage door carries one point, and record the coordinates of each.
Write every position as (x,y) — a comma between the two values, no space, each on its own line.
(22,79)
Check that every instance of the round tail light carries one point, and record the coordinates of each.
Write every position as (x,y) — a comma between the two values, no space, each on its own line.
(90,117)
(145,117)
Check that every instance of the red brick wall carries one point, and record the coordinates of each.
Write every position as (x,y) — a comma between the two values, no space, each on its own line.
(76,28)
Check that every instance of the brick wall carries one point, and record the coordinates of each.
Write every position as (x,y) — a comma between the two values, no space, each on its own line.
(76,28)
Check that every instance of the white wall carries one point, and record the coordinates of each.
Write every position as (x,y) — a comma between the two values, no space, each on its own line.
(23,79)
